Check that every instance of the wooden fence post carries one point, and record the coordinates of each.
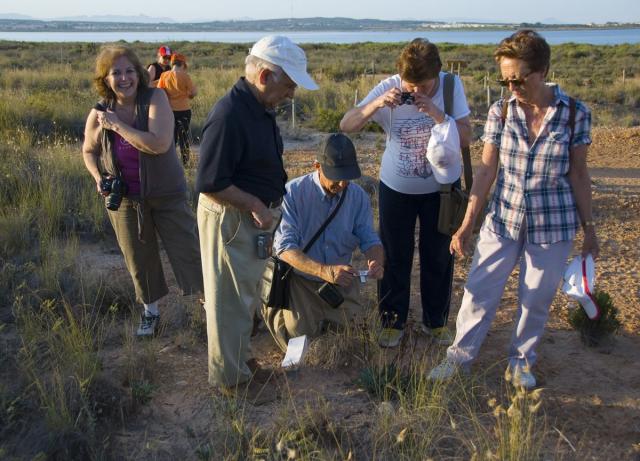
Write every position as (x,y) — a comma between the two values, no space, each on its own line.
(624,74)
(355,98)
(488,97)
(293,114)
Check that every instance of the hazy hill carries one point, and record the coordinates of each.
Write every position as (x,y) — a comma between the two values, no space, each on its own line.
(146,23)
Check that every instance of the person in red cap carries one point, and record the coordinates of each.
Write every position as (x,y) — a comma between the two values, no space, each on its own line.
(162,64)
(180,90)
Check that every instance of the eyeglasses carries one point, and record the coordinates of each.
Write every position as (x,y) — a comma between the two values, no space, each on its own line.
(513,81)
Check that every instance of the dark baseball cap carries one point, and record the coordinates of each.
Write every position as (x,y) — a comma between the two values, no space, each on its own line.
(337,157)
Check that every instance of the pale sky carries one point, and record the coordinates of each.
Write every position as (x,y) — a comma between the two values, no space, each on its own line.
(567,11)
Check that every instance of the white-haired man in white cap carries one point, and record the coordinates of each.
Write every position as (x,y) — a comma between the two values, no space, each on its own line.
(241,181)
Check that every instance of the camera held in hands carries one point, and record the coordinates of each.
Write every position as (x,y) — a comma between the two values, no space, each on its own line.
(116,188)
(330,294)
(406,97)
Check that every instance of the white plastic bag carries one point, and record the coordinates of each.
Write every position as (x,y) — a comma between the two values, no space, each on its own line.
(443,152)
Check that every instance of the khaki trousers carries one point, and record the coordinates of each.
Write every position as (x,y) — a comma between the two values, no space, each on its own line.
(172,219)
(310,314)
(231,271)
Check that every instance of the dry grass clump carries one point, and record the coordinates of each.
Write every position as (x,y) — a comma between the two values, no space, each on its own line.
(58,356)
(55,308)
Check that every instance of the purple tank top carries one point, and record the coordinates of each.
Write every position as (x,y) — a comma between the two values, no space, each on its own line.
(128,160)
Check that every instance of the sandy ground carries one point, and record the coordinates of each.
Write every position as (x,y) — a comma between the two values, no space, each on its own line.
(592,395)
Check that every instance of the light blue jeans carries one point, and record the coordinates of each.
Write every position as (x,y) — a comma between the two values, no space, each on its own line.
(541,270)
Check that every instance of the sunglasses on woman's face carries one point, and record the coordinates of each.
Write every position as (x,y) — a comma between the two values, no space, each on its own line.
(513,81)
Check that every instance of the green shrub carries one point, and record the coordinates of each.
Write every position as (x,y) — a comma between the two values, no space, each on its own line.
(592,332)
(328,120)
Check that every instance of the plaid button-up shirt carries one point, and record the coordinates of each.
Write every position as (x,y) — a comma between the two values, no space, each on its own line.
(533,184)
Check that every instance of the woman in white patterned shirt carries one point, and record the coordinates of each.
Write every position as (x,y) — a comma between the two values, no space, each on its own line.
(536,144)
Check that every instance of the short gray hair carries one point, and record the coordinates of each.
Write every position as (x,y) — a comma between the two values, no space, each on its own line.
(253,65)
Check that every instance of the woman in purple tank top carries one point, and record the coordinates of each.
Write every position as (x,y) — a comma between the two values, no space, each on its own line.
(129,151)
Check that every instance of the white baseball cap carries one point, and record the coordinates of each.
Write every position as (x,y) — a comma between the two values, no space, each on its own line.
(579,283)
(281,51)
(443,152)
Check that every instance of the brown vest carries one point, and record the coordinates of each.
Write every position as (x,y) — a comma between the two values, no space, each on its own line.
(160,174)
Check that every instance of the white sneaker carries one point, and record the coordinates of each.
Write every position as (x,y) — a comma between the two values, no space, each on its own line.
(520,376)
(148,325)
(444,371)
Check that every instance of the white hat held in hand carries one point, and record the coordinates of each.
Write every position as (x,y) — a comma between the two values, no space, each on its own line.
(281,51)
(579,283)
(443,152)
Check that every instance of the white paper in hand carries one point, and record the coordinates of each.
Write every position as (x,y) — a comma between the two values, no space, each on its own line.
(296,348)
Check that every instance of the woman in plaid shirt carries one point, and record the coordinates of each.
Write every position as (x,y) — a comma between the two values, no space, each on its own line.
(542,196)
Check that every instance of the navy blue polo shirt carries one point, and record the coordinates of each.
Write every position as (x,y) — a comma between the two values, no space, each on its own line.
(241,146)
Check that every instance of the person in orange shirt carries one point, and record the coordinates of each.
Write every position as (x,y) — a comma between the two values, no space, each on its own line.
(181,90)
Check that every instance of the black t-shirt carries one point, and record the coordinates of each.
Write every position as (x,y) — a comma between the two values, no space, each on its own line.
(160,69)
(241,146)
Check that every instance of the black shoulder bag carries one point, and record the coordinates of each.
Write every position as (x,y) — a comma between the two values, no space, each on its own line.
(274,285)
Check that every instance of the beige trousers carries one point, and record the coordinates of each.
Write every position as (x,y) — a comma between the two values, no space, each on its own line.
(172,219)
(231,270)
(310,315)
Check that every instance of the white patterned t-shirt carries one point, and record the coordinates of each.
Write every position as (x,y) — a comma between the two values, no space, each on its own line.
(405,167)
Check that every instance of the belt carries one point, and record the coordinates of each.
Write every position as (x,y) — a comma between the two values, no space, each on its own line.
(275,203)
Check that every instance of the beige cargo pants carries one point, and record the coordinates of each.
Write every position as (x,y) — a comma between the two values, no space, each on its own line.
(171,218)
(231,270)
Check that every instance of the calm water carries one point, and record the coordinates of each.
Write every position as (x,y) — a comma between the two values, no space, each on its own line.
(554,37)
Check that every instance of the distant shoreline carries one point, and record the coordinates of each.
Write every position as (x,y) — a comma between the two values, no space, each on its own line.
(290,25)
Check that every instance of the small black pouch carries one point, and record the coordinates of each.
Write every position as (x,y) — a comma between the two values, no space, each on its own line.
(331,295)
(273,288)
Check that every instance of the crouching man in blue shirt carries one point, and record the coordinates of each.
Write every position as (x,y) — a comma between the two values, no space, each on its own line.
(309,200)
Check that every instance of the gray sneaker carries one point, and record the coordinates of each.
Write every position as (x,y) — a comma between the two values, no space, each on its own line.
(520,376)
(444,371)
(148,325)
